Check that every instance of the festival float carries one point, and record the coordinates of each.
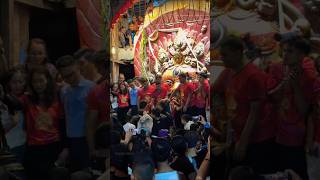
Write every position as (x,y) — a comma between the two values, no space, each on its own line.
(174,39)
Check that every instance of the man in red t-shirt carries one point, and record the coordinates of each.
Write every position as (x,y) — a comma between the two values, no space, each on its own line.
(293,96)
(145,93)
(186,89)
(200,97)
(161,90)
(252,125)
(98,111)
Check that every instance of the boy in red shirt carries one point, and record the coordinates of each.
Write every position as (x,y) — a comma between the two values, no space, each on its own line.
(293,96)
(161,90)
(200,98)
(145,94)
(252,125)
(186,89)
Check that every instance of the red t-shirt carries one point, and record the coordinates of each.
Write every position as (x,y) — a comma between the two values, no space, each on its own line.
(42,124)
(248,86)
(223,80)
(98,100)
(291,127)
(159,95)
(146,94)
(198,98)
(123,100)
(185,90)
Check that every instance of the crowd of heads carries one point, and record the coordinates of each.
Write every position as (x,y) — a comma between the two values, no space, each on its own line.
(149,137)
(128,27)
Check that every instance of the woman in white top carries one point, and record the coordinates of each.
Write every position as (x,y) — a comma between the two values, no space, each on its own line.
(114,97)
(11,111)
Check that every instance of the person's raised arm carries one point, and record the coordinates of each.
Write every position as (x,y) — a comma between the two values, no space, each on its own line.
(205,165)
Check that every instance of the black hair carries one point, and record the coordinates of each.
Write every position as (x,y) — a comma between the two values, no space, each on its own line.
(161,149)
(7,77)
(143,168)
(50,91)
(134,119)
(102,136)
(192,138)
(194,127)
(155,112)
(299,43)
(203,74)
(143,104)
(179,145)
(99,59)
(186,117)
(232,42)
(65,61)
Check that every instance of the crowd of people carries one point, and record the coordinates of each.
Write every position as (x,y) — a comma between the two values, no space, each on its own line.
(268,118)
(54,117)
(128,27)
(159,131)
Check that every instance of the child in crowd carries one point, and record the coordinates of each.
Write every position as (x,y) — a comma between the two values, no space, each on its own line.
(37,55)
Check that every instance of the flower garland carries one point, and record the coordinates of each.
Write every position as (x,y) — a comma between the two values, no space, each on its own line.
(143,54)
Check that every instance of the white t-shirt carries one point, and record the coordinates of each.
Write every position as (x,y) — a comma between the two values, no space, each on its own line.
(16,136)
(128,126)
(187,126)
(114,101)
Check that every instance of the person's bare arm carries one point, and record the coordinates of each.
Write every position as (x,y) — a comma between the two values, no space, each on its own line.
(205,165)
(185,107)
(241,146)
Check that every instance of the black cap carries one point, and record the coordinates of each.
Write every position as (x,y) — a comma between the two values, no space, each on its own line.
(284,37)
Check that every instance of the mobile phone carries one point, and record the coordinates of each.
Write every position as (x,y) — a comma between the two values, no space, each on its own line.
(195,118)
(135,131)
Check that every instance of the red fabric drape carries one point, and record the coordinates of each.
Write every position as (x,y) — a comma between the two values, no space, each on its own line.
(90,23)
(123,9)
